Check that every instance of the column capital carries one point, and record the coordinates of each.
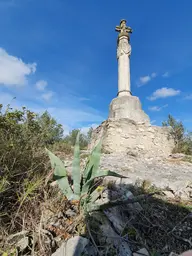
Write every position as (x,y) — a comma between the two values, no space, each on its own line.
(123,47)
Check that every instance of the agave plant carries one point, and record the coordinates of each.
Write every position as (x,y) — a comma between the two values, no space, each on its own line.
(83,182)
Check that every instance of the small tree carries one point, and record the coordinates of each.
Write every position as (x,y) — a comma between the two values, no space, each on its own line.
(51,130)
(177,130)
(182,139)
(84,139)
(89,134)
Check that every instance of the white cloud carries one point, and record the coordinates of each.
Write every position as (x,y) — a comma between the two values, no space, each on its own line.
(47,96)
(153,121)
(70,116)
(153,75)
(145,79)
(166,74)
(85,129)
(83,99)
(164,93)
(188,97)
(13,71)
(157,108)
(75,117)
(41,85)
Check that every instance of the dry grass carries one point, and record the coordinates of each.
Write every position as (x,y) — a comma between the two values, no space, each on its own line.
(163,226)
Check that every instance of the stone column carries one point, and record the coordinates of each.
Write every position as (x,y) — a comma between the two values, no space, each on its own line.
(123,56)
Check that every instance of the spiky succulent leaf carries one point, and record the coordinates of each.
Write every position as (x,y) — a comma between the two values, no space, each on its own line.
(76,170)
(96,194)
(60,175)
(93,163)
(99,173)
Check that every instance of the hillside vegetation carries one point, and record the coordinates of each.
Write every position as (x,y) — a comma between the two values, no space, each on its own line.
(24,164)
(26,173)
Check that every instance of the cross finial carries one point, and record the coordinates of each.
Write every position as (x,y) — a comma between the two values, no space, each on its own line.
(123,29)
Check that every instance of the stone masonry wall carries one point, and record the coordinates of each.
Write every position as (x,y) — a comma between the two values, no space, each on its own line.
(127,136)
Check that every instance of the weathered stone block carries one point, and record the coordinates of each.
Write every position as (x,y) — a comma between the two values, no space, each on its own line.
(128,107)
(125,135)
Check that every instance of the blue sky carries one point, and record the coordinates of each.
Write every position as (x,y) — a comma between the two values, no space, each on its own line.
(61,56)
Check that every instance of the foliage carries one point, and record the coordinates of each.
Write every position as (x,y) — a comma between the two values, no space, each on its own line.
(62,146)
(84,139)
(182,139)
(178,129)
(89,134)
(83,187)
(52,131)
(23,162)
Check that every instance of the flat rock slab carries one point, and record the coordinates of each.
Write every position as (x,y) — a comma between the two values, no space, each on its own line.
(73,247)
(163,173)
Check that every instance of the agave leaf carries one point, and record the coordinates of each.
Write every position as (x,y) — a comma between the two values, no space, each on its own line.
(76,170)
(95,195)
(99,173)
(93,163)
(60,174)
(91,207)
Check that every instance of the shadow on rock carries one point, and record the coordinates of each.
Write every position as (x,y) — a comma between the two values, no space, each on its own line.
(133,220)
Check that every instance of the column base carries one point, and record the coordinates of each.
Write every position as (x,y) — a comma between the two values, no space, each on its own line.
(128,107)
(124,93)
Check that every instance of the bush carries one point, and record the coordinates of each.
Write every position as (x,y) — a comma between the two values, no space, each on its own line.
(23,162)
(182,139)
(62,146)
(84,139)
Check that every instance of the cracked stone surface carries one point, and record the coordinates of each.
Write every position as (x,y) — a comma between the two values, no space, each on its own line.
(161,172)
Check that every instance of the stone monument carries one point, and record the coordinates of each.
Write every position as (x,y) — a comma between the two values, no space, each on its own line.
(128,127)
(125,105)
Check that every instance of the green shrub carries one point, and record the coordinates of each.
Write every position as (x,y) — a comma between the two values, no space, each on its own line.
(84,139)
(182,139)
(23,162)
(63,147)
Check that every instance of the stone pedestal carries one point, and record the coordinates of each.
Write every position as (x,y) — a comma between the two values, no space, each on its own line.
(128,107)
(126,136)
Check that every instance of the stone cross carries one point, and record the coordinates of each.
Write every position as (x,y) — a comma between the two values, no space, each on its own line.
(123,29)
(123,56)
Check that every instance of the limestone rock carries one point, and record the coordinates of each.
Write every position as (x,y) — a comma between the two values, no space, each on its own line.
(142,252)
(126,136)
(110,238)
(73,247)
(172,176)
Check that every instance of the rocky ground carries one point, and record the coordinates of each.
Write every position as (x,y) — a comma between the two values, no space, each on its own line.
(173,174)
(151,224)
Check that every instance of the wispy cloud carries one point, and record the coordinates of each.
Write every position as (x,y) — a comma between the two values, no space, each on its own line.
(13,71)
(157,108)
(83,99)
(153,121)
(164,93)
(166,74)
(145,79)
(76,117)
(47,96)
(153,75)
(85,129)
(41,85)
(69,109)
